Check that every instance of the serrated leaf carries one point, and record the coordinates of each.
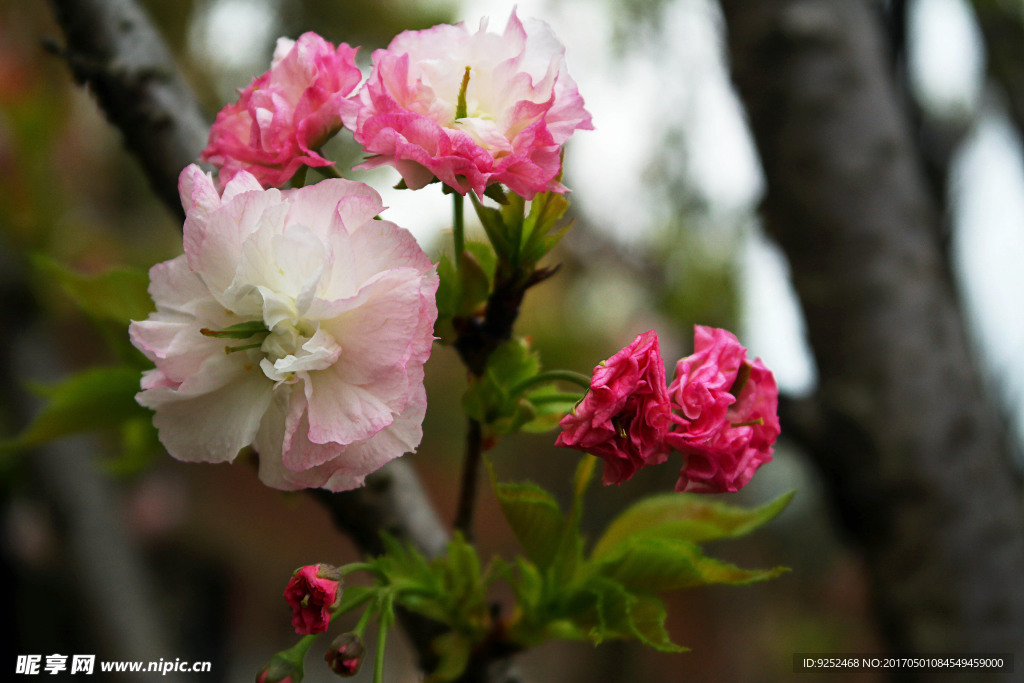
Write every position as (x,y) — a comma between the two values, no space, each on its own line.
(685,517)
(656,565)
(535,518)
(92,399)
(118,294)
(405,568)
(648,615)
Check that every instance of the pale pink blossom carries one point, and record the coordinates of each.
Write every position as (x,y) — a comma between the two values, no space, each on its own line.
(625,415)
(336,310)
(282,118)
(724,413)
(521,107)
(313,592)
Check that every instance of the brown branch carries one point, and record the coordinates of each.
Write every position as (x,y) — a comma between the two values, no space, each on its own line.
(912,448)
(114,49)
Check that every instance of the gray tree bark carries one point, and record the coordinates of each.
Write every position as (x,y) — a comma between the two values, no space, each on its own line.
(912,449)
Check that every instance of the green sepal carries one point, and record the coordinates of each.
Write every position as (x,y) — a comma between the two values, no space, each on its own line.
(497,193)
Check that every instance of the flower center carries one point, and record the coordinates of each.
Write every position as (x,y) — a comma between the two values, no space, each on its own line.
(287,339)
(294,347)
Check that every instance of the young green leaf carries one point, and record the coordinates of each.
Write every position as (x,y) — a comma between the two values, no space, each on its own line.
(658,564)
(685,517)
(535,518)
(93,399)
(453,650)
(118,295)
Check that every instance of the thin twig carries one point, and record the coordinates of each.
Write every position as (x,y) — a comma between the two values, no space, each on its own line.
(470,477)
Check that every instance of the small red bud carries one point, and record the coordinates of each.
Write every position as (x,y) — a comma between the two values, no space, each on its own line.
(345,655)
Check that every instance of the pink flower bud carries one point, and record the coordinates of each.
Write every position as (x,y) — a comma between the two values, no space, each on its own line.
(345,655)
(625,416)
(313,592)
(281,669)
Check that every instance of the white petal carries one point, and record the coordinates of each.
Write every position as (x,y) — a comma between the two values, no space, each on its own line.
(211,425)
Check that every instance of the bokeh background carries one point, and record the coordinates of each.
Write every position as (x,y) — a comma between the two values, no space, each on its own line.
(665,195)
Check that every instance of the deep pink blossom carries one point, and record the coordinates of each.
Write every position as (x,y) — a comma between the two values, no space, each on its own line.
(624,417)
(521,107)
(286,114)
(724,414)
(295,323)
(313,592)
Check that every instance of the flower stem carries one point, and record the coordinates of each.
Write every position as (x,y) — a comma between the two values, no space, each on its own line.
(384,623)
(551,376)
(458,227)
(470,472)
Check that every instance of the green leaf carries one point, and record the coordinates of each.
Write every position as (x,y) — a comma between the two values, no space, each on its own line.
(528,585)
(647,616)
(118,294)
(569,559)
(474,284)
(93,399)
(453,650)
(622,613)
(485,256)
(490,400)
(535,518)
(657,564)
(538,234)
(686,517)
(447,287)
(493,222)
(404,568)
(139,443)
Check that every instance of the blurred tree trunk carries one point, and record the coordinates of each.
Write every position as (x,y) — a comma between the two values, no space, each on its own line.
(913,451)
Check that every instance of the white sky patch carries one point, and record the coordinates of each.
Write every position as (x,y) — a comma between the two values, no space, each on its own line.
(989,249)
(946,56)
(772,324)
(235,34)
